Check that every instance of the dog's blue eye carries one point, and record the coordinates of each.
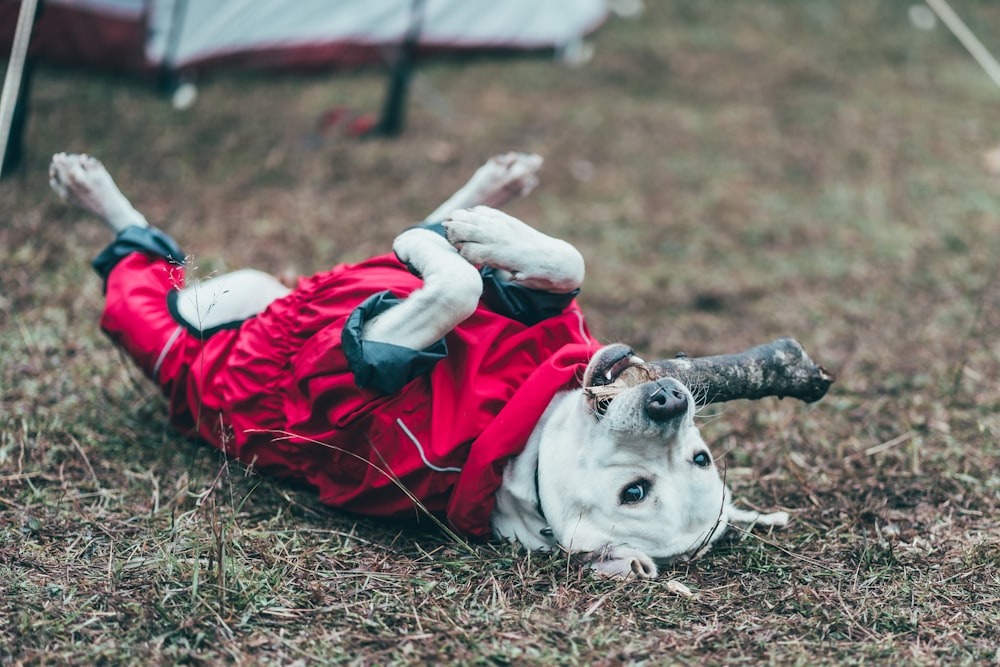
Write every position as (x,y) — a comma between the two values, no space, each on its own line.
(634,493)
(702,459)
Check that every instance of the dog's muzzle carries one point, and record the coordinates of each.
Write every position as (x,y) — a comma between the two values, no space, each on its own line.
(608,364)
(616,368)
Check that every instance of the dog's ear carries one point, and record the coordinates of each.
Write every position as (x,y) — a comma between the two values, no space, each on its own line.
(623,562)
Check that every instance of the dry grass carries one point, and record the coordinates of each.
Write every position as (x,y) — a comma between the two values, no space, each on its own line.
(732,171)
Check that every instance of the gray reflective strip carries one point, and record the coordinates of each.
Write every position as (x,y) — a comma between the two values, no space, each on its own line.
(420,449)
(583,331)
(166,348)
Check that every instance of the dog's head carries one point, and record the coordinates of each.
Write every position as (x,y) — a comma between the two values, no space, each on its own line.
(625,474)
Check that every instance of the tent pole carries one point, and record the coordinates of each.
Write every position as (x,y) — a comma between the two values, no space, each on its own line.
(15,70)
(394,109)
(168,71)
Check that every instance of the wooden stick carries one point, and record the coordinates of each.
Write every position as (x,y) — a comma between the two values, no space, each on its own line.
(779,368)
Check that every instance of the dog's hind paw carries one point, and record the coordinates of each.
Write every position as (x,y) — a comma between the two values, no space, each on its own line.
(505,177)
(81,180)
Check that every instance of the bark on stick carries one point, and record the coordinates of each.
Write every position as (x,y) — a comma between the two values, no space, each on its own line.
(779,368)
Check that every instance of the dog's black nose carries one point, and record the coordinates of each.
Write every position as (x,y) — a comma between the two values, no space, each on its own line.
(665,402)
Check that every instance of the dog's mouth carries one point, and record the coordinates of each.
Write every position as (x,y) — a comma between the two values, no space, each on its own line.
(613,369)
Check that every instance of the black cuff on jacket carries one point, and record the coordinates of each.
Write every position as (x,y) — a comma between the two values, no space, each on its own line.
(436,226)
(527,306)
(149,240)
(384,366)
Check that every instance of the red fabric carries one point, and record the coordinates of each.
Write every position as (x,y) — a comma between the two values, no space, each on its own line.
(277,393)
(78,36)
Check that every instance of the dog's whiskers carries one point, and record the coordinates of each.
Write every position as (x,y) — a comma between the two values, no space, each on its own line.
(708,417)
(699,393)
(703,545)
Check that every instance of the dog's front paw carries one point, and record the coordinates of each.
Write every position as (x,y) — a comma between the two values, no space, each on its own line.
(420,249)
(623,563)
(484,235)
(487,237)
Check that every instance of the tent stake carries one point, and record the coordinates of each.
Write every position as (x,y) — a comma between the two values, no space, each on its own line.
(968,39)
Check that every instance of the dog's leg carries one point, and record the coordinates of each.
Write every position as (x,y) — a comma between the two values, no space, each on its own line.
(485,236)
(503,178)
(83,181)
(450,293)
(452,286)
(228,299)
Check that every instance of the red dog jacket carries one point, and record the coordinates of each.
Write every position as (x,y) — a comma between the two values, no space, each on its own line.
(280,391)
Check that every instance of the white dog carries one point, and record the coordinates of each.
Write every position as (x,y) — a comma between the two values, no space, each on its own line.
(453,376)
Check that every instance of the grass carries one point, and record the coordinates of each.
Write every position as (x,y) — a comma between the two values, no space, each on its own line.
(733,172)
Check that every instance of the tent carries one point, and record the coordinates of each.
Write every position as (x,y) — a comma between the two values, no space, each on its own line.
(176,38)
(149,35)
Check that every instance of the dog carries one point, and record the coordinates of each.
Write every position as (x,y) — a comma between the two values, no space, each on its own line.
(455,376)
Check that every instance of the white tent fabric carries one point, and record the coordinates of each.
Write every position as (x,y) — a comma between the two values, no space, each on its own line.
(212,28)
(196,33)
